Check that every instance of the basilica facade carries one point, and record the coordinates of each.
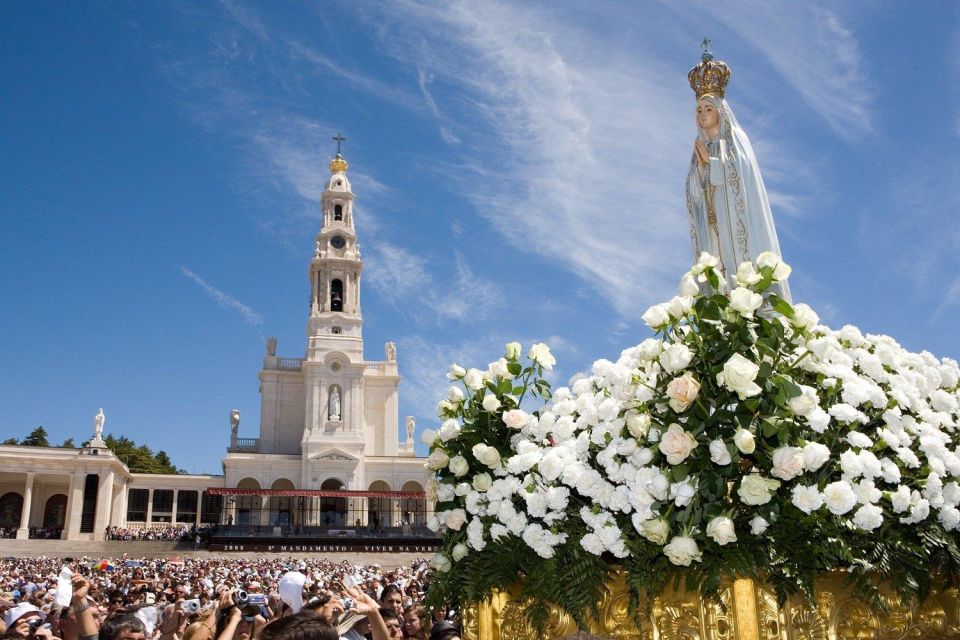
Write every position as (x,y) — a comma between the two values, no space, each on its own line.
(328,453)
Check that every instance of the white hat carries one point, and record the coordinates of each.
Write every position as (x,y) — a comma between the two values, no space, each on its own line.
(15,613)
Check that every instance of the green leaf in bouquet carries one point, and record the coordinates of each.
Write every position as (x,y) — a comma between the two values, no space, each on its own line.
(780,305)
(518,390)
(679,472)
(505,387)
(514,368)
(713,279)
(765,370)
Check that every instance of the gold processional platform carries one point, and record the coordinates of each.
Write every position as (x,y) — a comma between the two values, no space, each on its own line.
(752,613)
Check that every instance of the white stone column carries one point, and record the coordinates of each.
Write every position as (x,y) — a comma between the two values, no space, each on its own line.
(173,509)
(74,505)
(104,504)
(118,512)
(24,531)
(199,508)
(149,507)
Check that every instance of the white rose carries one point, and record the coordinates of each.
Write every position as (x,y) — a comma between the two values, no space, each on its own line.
(738,375)
(491,402)
(449,430)
(456,372)
(745,302)
(499,368)
(719,454)
(515,418)
(721,530)
(744,441)
(638,424)
(682,493)
(650,349)
(540,353)
(656,316)
(805,403)
(482,482)
(688,285)
(747,276)
(459,552)
(781,270)
(682,550)
(804,317)
(758,525)
(679,306)
(868,517)
(675,357)
(428,437)
(455,519)
(438,459)
(440,563)
(677,444)
(455,394)
(656,531)
(707,260)
(807,499)
(815,455)
(787,463)
(839,497)
(445,492)
(755,490)
(513,350)
(459,466)
(473,379)
(682,392)
(486,455)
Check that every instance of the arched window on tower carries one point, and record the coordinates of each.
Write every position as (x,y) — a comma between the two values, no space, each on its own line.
(338,212)
(336,295)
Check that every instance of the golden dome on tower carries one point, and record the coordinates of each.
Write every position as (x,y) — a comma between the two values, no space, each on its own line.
(338,165)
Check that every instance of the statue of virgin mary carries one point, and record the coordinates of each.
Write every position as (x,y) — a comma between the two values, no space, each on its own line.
(729,211)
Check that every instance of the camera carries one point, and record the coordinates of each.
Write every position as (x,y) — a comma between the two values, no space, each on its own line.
(190,606)
(37,624)
(243,599)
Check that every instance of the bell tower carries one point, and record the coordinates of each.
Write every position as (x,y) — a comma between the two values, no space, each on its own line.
(336,322)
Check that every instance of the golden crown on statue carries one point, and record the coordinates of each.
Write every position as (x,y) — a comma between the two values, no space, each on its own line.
(710,77)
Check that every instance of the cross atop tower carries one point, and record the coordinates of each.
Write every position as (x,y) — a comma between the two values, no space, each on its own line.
(339,139)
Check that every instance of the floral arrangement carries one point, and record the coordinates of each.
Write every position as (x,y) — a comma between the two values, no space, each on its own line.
(743,440)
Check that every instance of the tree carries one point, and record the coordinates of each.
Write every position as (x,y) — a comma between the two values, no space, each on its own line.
(10,441)
(37,438)
(139,458)
(68,444)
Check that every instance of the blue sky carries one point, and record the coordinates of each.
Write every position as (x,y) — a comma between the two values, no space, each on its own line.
(519,170)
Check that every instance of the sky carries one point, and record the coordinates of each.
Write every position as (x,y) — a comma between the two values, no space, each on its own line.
(518,167)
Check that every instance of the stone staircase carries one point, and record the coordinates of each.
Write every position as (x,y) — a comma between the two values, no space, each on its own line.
(155,549)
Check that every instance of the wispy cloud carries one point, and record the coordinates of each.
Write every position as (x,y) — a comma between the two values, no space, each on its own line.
(225,300)
(400,276)
(424,79)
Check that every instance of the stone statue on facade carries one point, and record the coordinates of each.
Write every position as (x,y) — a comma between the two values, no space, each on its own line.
(98,421)
(391,350)
(234,423)
(271,346)
(411,426)
(335,404)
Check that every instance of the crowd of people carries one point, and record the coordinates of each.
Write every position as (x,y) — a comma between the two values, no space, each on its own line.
(168,533)
(46,533)
(216,599)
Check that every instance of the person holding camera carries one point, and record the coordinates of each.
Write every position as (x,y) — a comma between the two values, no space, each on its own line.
(26,621)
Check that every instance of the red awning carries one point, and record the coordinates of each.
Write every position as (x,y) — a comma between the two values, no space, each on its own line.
(316,493)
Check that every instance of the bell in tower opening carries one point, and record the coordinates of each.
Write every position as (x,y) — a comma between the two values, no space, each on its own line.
(336,295)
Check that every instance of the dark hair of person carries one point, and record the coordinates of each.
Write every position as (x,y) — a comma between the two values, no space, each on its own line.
(317,602)
(387,614)
(387,590)
(276,628)
(444,630)
(302,626)
(113,625)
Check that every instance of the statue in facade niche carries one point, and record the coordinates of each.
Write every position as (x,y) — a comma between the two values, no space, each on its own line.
(411,426)
(334,409)
(727,201)
(391,350)
(271,346)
